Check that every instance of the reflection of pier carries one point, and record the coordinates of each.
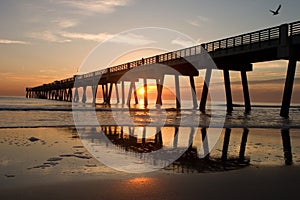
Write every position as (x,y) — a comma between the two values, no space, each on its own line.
(287,148)
(230,54)
(197,156)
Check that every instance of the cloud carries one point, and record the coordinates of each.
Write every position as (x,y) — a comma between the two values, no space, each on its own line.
(182,42)
(86,36)
(48,71)
(198,21)
(65,36)
(4,41)
(65,23)
(48,36)
(132,39)
(95,6)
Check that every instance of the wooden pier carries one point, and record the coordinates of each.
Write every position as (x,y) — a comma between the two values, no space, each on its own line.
(236,53)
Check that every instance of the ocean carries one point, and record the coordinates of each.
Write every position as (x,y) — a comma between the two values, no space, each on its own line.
(19,112)
(112,139)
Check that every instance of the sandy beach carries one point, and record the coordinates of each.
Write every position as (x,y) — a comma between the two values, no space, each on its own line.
(52,163)
(251,183)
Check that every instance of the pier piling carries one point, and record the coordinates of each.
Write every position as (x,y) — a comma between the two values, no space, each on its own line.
(288,88)
(228,91)
(178,98)
(123,92)
(83,94)
(159,85)
(246,91)
(193,91)
(145,93)
(205,89)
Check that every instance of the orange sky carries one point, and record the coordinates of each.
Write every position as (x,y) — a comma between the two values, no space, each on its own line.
(44,41)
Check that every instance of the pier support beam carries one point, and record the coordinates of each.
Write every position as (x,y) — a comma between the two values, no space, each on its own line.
(103,93)
(65,94)
(109,94)
(106,93)
(70,94)
(193,90)
(84,94)
(288,88)
(246,91)
(132,88)
(123,92)
(129,94)
(76,95)
(178,98)
(56,96)
(52,95)
(145,93)
(135,94)
(117,93)
(159,85)
(94,93)
(228,91)
(205,90)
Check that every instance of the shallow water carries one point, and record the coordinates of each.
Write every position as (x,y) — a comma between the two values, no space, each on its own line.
(195,142)
(59,154)
(21,112)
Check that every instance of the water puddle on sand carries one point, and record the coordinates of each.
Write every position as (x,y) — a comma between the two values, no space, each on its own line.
(57,152)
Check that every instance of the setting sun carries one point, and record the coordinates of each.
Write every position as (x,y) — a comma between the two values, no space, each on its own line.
(141,91)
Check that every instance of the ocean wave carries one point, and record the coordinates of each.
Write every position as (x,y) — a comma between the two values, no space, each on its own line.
(139,125)
(170,109)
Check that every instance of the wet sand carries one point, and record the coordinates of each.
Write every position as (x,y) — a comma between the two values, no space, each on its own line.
(250,183)
(50,163)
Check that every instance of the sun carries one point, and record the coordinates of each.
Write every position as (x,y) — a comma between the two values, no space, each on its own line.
(141,91)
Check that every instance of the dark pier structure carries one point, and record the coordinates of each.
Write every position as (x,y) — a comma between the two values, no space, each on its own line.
(236,53)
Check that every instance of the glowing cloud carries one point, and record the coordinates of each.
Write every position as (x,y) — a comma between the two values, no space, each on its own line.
(198,21)
(65,23)
(132,39)
(48,36)
(95,6)
(86,36)
(183,43)
(4,41)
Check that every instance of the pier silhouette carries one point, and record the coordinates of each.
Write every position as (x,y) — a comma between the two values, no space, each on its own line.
(236,53)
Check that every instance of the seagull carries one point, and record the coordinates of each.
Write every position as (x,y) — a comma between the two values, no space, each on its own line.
(277,11)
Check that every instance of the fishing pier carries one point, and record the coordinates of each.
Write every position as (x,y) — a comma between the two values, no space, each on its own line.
(236,53)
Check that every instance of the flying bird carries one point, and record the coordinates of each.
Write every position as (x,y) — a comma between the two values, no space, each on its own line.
(277,11)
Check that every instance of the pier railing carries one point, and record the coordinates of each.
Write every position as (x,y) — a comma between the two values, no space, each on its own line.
(182,53)
(244,39)
(294,28)
(252,38)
